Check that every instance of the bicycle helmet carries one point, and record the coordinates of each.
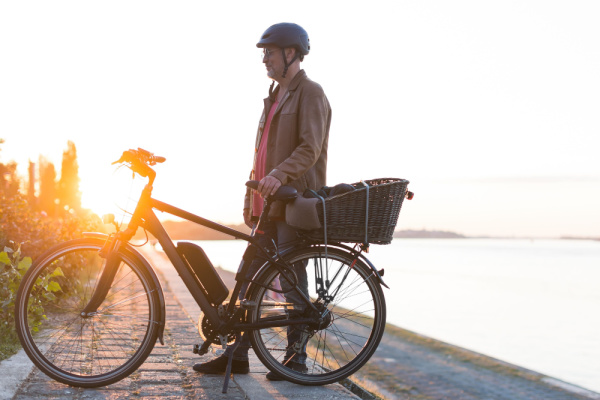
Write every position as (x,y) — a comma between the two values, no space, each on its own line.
(284,35)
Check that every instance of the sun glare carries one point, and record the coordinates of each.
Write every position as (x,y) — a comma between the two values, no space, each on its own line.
(96,199)
(115,193)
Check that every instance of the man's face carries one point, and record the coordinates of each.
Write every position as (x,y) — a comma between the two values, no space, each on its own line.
(273,60)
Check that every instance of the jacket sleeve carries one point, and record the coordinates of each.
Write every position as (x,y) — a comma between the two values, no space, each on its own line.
(247,199)
(247,195)
(314,115)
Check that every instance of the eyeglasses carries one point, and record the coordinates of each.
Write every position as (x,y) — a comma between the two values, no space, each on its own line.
(267,53)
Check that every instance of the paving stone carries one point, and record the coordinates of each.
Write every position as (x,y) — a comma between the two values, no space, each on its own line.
(160,377)
(421,371)
(91,394)
(156,390)
(153,366)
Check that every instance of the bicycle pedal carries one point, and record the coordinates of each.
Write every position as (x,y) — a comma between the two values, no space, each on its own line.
(201,349)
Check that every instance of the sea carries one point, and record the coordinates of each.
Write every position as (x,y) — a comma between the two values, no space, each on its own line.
(532,303)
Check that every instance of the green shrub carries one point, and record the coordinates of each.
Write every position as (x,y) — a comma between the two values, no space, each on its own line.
(36,231)
(9,342)
(12,269)
(24,235)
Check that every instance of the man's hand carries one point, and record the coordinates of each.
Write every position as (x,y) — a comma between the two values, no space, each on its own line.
(247,217)
(268,186)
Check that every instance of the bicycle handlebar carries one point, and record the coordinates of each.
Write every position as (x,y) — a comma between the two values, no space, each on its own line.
(140,154)
(140,161)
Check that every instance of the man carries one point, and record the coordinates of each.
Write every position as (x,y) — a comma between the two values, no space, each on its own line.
(291,149)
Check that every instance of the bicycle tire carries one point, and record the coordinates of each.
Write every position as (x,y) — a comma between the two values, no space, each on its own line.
(88,351)
(351,336)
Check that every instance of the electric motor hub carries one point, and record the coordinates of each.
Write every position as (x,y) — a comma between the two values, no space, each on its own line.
(324,316)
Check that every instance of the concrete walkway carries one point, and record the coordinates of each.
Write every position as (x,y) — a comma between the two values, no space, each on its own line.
(167,373)
(406,366)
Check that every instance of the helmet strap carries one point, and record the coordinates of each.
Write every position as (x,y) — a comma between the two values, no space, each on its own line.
(286,64)
(271,90)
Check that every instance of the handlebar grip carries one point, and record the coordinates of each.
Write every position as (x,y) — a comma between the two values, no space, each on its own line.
(140,155)
(252,185)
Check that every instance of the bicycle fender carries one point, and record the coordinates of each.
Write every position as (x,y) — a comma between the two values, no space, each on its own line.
(161,299)
(349,250)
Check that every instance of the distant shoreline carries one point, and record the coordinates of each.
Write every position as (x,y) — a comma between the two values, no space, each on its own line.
(185,230)
(425,234)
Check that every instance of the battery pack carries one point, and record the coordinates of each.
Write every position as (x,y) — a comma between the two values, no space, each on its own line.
(212,284)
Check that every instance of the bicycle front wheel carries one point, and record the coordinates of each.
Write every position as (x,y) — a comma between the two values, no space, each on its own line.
(86,350)
(352,312)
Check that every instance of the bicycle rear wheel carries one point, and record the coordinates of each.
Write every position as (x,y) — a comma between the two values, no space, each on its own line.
(82,350)
(352,308)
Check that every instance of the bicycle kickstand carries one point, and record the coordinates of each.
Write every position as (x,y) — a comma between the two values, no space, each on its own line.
(230,361)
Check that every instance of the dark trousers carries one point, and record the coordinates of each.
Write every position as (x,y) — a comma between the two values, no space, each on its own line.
(283,235)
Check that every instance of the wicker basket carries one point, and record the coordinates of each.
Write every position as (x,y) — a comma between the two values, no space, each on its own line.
(346,213)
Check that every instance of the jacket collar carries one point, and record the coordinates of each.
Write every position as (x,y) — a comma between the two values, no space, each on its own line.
(299,77)
(293,86)
(296,81)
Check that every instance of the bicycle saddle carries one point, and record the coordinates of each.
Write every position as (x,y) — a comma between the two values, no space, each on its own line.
(284,193)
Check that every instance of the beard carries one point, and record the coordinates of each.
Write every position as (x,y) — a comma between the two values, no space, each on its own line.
(272,74)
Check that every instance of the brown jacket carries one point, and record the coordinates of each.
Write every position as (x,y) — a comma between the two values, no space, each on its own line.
(298,137)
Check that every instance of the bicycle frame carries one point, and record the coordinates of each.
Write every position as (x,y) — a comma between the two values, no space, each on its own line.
(341,313)
(145,218)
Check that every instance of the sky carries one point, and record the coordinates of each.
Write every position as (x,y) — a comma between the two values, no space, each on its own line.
(489,108)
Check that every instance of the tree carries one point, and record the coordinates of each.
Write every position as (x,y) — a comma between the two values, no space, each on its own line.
(68,193)
(31,198)
(9,181)
(48,197)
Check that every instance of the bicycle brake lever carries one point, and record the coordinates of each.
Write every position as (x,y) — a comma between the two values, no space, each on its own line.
(127,156)
(145,153)
(120,160)
(150,158)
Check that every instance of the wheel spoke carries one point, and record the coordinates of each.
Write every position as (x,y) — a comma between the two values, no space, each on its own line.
(352,312)
(94,349)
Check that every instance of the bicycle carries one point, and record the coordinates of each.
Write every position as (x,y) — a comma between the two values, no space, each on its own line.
(104,308)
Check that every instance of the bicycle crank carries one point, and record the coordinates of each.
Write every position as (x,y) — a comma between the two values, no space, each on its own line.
(208,334)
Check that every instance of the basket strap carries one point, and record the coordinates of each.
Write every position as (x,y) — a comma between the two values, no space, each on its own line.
(366,215)
(324,220)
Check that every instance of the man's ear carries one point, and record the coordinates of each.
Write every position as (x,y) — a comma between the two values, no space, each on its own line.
(290,53)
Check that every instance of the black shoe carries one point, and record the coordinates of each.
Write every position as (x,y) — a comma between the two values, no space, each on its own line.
(272,376)
(219,365)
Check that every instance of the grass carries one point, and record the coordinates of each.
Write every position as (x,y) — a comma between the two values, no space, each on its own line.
(9,343)
(461,354)
(379,383)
